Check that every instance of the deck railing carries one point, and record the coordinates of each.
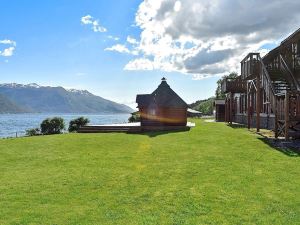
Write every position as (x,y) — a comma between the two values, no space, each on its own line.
(286,70)
(267,86)
(294,105)
(234,85)
(250,66)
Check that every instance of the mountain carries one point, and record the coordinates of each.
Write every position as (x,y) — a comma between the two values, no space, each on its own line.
(7,106)
(35,98)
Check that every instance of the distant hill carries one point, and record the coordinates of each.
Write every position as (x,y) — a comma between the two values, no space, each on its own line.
(35,98)
(7,106)
(205,106)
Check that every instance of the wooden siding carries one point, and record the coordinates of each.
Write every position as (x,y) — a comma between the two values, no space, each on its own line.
(163,116)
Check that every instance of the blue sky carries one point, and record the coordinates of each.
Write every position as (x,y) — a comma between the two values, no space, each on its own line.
(54,47)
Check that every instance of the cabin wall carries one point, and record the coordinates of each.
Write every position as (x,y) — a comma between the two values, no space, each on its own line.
(163,116)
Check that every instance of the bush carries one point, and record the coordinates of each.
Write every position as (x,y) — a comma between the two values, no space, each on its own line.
(135,117)
(33,132)
(75,124)
(53,125)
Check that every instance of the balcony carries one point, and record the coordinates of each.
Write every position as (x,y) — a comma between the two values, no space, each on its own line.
(234,85)
(250,66)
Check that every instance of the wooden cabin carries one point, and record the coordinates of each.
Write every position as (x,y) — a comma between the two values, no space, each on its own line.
(267,93)
(162,108)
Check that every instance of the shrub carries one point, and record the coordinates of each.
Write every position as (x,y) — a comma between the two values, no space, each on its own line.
(135,117)
(33,132)
(53,125)
(75,124)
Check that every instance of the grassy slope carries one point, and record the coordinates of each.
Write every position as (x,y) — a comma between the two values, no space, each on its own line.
(213,174)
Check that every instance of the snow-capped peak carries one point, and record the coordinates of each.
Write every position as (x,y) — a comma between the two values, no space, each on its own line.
(83,92)
(15,85)
(33,85)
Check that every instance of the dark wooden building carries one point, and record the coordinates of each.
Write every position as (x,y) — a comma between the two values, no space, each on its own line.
(220,110)
(267,93)
(162,108)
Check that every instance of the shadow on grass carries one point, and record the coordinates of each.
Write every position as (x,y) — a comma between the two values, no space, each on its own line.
(152,134)
(236,125)
(289,148)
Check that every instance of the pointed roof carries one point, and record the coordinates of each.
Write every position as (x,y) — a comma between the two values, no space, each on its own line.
(163,96)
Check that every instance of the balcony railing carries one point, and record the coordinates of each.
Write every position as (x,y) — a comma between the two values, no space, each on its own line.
(234,85)
(250,66)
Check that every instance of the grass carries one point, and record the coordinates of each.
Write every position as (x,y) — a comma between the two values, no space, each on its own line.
(213,174)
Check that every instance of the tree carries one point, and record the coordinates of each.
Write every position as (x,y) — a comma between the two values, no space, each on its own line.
(219,94)
(33,132)
(53,125)
(75,124)
(135,117)
(204,106)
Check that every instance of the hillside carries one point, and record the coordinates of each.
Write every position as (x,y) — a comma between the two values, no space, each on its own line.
(205,106)
(212,174)
(35,98)
(7,106)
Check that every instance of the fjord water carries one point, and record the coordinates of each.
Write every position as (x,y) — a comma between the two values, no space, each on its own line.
(12,123)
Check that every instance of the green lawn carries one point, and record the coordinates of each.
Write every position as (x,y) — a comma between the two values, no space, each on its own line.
(213,174)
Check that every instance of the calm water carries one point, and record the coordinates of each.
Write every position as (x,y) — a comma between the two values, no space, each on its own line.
(12,123)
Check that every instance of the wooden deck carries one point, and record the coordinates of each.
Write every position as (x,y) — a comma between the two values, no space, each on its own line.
(131,128)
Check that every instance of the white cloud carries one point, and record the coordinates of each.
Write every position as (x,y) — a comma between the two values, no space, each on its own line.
(86,19)
(89,20)
(118,48)
(177,6)
(8,51)
(140,64)
(122,49)
(113,38)
(132,40)
(209,37)
(8,42)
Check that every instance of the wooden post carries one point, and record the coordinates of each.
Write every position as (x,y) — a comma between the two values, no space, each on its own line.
(226,109)
(248,105)
(231,107)
(250,66)
(258,103)
(276,119)
(287,115)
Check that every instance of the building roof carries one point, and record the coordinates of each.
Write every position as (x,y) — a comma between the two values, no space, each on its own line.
(163,96)
(144,99)
(193,111)
(293,36)
(220,102)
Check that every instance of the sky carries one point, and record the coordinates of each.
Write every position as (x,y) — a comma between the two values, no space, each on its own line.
(117,49)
